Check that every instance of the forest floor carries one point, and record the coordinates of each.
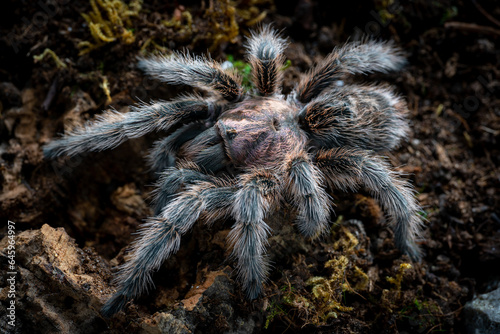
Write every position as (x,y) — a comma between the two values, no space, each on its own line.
(100,199)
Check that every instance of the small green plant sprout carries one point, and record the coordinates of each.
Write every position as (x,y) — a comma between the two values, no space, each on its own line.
(286,65)
(275,310)
(53,55)
(244,69)
(109,21)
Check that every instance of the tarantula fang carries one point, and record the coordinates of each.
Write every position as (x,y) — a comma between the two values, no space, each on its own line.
(239,153)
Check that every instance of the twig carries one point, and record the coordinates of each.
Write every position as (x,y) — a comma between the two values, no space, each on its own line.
(472,27)
(485,13)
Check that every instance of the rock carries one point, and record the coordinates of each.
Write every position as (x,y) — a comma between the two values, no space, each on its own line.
(209,307)
(10,95)
(82,102)
(59,288)
(165,323)
(482,314)
(127,199)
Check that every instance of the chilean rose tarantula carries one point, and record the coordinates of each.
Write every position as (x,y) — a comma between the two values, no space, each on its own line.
(240,153)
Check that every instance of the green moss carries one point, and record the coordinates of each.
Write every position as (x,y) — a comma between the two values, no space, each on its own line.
(399,276)
(53,55)
(219,23)
(105,88)
(182,23)
(383,11)
(328,292)
(110,20)
(326,296)
(225,18)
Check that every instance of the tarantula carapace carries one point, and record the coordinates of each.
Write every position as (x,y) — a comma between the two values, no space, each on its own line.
(239,153)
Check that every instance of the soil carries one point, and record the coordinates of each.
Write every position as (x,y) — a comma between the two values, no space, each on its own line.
(100,199)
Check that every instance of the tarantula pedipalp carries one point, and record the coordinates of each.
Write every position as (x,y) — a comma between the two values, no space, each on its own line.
(266,146)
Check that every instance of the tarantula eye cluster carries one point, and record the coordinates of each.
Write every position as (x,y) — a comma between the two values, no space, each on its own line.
(237,154)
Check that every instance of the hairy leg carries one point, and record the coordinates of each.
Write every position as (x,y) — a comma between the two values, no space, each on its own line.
(368,117)
(256,195)
(173,179)
(204,140)
(164,151)
(196,71)
(113,128)
(346,169)
(265,54)
(213,158)
(207,151)
(304,186)
(352,58)
(160,237)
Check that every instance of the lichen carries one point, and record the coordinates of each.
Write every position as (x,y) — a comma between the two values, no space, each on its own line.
(110,20)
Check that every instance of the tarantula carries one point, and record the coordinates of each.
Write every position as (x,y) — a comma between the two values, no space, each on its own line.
(240,153)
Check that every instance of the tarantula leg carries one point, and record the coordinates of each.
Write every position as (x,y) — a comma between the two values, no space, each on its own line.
(196,71)
(347,168)
(310,198)
(213,158)
(368,117)
(113,128)
(265,54)
(201,142)
(172,180)
(206,150)
(352,58)
(164,151)
(160,238)
(248,237)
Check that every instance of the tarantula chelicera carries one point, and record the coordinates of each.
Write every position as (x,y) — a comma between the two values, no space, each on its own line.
(240,153)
